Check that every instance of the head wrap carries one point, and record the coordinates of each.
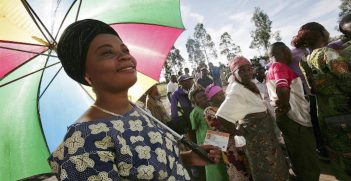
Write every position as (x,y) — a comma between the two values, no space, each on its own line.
(212,90)
(237,62)
(193,91)
(74,43)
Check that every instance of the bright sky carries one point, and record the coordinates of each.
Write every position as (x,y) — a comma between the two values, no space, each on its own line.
(234,17)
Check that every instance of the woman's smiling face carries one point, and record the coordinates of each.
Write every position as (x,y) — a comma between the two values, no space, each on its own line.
(109,64)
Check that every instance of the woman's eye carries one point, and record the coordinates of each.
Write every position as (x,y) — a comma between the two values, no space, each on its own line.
(107,52)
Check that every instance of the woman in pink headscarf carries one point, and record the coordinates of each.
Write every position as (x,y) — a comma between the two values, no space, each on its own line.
(234,158)
(244,109)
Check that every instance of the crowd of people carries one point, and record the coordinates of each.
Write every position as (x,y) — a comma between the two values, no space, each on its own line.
(301,96)
(292,110)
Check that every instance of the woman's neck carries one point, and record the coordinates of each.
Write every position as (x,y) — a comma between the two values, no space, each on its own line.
(117,102)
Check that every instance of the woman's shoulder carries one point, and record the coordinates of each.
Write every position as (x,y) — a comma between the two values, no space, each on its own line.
(324,50)
(325,55)
(235,89)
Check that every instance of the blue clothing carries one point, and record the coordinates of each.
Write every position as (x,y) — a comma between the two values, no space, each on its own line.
(204,82)
(130,147)
(216,74)
(179,100)
(180,111)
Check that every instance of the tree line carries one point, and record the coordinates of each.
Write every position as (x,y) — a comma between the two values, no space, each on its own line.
(201,48)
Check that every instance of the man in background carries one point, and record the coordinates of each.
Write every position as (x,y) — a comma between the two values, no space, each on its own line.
(181,106)
(204,80)
(172,86)
(216,74)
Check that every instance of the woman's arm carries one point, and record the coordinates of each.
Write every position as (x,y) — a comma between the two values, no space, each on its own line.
(190,158)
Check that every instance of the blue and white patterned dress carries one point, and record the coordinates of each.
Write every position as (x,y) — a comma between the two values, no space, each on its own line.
(128,147)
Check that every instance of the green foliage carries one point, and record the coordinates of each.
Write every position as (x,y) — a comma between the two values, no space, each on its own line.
(276,36)
(345,8)
(173,64)
(195,54)
(205,42)
(227,46)
(262,34)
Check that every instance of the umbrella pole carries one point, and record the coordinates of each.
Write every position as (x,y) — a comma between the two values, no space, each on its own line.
(35,17)
(194,147)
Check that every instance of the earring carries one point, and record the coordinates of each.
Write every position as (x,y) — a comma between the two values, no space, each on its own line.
(88,80)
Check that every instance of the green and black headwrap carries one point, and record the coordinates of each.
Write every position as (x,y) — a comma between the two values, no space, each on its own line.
(74,43)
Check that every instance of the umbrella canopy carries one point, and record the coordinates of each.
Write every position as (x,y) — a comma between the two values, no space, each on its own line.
(38,99)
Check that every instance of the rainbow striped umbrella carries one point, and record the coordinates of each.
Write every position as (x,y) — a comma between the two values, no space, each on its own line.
(38,99)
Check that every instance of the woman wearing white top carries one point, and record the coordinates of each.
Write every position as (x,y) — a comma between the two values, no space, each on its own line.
(244,112)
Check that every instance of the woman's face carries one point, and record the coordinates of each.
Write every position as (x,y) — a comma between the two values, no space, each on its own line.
(246,73)
(153,91)
(218,98)
(201,99)
(347,29)
(109,65)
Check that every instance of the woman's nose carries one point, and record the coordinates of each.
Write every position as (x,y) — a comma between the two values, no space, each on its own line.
(124,57)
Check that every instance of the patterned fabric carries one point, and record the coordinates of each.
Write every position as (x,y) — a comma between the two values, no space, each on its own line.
(265,156)
(331,78)
(234,158)
(280,75)
(128,147)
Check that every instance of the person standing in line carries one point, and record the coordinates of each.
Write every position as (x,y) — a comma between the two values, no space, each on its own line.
(292,113)
(181,106)
(345,29)
(204,80)
(215,172)
(186,70)
(244,112)
(216,74)
(299,58)
(329,76)
(172,86)
(234,157)
(155,106)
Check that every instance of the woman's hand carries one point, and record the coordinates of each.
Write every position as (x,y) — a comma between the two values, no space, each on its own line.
(281,109)
(193,159)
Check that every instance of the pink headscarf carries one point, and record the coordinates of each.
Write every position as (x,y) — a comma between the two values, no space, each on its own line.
(237,62)
(212,90)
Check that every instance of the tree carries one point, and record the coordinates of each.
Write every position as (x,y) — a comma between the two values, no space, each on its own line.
(195,55)
(227,46)
(174,63)
(261,35)
(205,42)
(276,36)
(345,8)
